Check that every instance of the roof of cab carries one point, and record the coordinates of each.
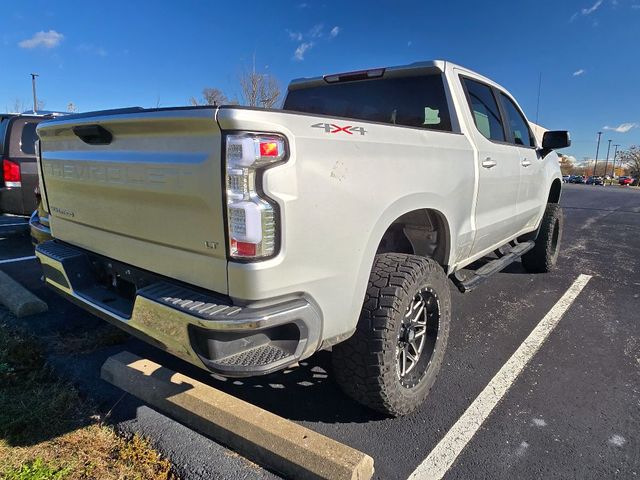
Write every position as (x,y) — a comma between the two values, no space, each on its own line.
(440,65)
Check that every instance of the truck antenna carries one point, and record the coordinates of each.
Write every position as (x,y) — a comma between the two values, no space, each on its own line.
(538,103)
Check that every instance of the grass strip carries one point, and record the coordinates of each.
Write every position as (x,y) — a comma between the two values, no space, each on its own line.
(48,431)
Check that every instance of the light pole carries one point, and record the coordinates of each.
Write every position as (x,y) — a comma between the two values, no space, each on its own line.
(606,164)
(33,86)
(615,154)
(595,165)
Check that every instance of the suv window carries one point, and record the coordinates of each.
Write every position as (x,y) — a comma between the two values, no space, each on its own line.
(484,108)
(518,125)
(4,122)
(23,138)
(418,101)
(28,139)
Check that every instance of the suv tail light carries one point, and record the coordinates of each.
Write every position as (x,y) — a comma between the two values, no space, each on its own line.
(11,174)
(251,216)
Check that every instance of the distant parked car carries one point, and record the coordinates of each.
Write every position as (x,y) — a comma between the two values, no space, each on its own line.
(565,178)
(578,179)
(594,181)
(625,180)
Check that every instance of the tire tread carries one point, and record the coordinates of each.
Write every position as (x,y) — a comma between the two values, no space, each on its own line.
(364,365)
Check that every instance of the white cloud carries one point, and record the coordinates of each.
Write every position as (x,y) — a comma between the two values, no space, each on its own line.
(334,32)
(42,39)
(577,73)
(296,36)
(591,9)
(623,127)
(316,31)
(301,50)
(587,11)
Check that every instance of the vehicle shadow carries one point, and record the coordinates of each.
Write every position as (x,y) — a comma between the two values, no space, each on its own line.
(305,393)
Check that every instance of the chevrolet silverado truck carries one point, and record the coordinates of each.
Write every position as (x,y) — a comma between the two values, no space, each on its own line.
(244,240)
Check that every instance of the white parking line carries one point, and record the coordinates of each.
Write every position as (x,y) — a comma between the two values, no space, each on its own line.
(20,259)
(438,462)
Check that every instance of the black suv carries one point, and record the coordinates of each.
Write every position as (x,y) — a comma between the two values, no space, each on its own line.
(19,172)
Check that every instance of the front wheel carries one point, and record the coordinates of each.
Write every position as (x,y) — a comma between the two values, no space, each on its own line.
(392,360)
(544,255)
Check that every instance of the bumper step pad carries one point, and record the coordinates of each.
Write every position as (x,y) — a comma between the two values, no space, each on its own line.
(188,301)
(259,356)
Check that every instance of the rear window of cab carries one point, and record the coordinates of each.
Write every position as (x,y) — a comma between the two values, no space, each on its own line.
(412,101)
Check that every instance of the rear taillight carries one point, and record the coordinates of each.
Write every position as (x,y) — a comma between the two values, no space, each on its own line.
(11,174)
(251,216)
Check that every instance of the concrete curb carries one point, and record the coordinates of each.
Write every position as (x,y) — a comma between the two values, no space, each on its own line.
(20,301)
(259,435)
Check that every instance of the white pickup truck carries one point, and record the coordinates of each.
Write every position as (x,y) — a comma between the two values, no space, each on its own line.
(243,240)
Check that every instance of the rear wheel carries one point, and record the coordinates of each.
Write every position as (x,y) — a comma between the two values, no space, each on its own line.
(392,360)
(544,255)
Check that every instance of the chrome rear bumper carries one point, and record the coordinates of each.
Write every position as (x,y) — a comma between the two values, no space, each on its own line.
(203,328)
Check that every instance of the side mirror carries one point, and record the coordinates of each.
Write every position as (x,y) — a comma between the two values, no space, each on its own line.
(554,140)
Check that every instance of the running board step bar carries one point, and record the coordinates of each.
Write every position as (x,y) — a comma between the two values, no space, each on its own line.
(466,284)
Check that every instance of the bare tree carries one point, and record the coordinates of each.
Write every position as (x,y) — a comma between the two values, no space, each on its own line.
(18,106)
(250,85)
(631,158)
(210,96)
(71,107)
(566,164)
(259,89)
(270,92)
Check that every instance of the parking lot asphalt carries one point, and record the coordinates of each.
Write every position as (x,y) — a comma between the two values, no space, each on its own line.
(573,412)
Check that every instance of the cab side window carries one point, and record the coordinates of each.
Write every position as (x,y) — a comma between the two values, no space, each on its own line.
(484,109)
(518,125)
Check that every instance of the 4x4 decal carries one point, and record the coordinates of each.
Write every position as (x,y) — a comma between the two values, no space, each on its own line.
(333,128)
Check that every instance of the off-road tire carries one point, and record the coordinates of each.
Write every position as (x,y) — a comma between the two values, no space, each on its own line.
(365,366)
(544,255)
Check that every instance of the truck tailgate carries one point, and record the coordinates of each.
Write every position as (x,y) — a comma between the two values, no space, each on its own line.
(150,196)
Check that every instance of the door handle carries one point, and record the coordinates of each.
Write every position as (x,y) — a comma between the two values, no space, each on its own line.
(525,163)
(93,134)
(489,163)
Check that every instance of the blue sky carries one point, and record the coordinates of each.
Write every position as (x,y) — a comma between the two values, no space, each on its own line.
(122,53)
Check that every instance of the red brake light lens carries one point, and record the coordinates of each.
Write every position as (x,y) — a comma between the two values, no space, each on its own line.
(11,173)
(244,249)
(269,149)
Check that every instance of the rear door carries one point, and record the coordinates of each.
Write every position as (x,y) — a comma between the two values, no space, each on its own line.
(498,166)
(531,190)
